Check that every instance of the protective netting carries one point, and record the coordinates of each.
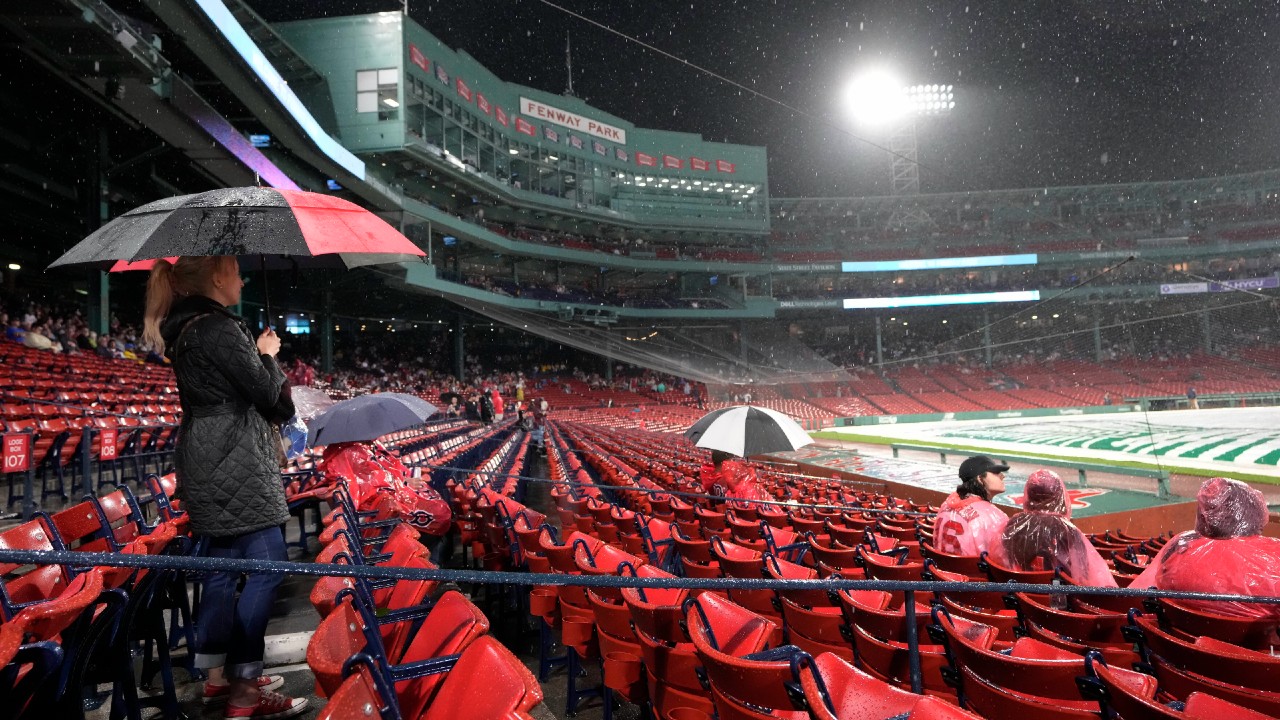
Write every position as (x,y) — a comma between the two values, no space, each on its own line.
(707,352)
(1139,335)
(1156,327)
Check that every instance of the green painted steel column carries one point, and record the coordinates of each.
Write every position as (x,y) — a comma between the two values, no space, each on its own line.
(879,343)
(986,336)
(326,333)
(459,348)
(1097,335)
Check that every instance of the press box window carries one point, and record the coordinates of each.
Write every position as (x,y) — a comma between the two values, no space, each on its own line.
(378,91)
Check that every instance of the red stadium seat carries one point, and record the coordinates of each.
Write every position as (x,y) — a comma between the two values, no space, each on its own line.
(835,690)
(740,679)
(1031,668)
(1133,696)
(487,682)
(1208,656)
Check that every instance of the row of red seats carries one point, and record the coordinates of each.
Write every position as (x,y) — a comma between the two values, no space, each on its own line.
(391,650)
(1085,629)
(88,619)
(879,638)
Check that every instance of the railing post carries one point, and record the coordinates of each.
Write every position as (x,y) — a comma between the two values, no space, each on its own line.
(86,460)
(29,480)
(913,643)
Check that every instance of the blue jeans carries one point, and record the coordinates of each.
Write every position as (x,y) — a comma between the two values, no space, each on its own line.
(231,631)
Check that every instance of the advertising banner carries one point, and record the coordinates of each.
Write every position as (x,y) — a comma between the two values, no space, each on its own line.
(441,75)
(1269,282)
(1262,283)
(599,147)
(724,166)
(1183,288)
(526,127)
(646,160)
(671,161)
(575,121)
(620,154)
(464,90)
(501,115)
(699,164)
(417,58)
(483,103)
(550,133)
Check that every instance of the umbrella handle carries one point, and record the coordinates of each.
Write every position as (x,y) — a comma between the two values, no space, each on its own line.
(266,294)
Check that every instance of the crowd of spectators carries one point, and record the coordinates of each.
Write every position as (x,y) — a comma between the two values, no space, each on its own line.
(62,328)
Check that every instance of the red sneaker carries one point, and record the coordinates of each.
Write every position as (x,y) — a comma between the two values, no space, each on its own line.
(218,693)
(271,706)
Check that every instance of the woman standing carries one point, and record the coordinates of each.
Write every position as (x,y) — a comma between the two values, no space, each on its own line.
(968,524)
(227,466)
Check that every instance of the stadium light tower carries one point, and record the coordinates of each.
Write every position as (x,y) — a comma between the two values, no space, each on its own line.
(880,100)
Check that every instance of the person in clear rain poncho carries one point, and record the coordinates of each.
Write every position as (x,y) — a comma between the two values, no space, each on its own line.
(1044,530)
(1226,553)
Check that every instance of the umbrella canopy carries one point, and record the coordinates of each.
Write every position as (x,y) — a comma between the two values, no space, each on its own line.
(245,221)
(368,417)
(747,430)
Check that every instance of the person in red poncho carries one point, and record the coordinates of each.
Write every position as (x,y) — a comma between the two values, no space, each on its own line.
(967,523)
(730,478)
(1226,553)
(1044,530)
(370,470)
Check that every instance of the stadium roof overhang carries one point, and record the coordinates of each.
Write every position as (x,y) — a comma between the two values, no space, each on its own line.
(109,60)
(216,35)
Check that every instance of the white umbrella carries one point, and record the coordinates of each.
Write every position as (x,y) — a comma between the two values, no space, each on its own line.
(747,430)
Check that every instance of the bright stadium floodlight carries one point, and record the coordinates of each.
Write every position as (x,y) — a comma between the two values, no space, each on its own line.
(930,99)
(877,97)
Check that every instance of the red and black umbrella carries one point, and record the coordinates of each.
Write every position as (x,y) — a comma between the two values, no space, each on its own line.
(267,222)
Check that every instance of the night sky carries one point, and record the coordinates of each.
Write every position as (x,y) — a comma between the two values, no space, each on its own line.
(1058,92)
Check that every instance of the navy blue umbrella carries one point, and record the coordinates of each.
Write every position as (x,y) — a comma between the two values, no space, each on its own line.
(368,417)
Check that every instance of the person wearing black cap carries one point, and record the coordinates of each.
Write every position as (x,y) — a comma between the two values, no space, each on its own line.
(968,524)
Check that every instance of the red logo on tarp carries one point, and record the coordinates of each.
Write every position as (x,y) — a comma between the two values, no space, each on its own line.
(107,451)
(1077,497)
(17,452)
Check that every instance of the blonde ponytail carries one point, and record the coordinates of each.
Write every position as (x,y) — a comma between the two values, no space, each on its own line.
(188,276)
(159,300)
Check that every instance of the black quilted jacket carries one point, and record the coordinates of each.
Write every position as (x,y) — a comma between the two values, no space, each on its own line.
(226,457)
